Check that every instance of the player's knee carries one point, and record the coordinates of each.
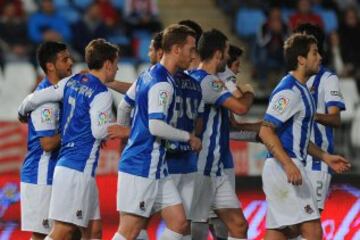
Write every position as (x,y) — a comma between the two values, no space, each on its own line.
(96,234)
(239,227)
(181,227)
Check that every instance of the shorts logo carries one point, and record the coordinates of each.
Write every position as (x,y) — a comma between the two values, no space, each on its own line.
(103,118)
(308,209)
(45,223)
(163,98)
(79,214)
(142,206)
(280,104)
(216,85)
(46,115)
(336,94)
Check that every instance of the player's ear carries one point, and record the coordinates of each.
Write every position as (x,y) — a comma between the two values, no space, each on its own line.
(218,55)
(50,66)
(301,60)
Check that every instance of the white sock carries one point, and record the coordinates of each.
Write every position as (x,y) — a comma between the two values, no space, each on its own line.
(220,228)
(118,236)
(186,237)
(170,235)
(142,235)
(48,238)
(232,238)
(199,230)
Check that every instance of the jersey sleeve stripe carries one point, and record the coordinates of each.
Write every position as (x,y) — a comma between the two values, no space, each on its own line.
(336,104)
(271,119)
(222,99)
(159,116)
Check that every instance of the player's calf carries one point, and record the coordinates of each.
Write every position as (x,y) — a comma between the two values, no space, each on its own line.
(235,221)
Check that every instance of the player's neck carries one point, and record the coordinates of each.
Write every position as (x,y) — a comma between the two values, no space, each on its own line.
(300,76)
(100,75)
(208,67)
(169,63)
(53,79)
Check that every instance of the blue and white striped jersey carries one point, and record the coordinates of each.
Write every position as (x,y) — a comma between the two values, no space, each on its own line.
(38,166)
(324,87)
(291,110)
(144,154)
(187,108)
(85,116)
(215,135)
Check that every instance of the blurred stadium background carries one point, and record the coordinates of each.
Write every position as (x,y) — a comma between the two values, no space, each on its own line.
(257,26)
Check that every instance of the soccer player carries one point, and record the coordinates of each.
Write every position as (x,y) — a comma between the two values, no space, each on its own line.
(213,189)
(286,132)
(143,183)
(43,144)
(86,114)
(324,87)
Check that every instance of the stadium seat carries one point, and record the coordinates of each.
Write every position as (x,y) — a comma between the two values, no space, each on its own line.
(330,20)
(119,4)
(82,4)
(61,3)
(351,97)
(70,14)
(143,48)
(286,14)
(248,21)
(126,73)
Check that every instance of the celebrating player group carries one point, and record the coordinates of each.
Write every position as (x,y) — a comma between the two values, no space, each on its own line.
(176,119)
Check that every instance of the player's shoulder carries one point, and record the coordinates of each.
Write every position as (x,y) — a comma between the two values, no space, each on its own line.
(158,73)
(199,75)
(286,87)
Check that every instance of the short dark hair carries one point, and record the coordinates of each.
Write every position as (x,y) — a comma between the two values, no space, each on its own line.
(175,34)
(47,53)
(314,30)
(157,39)
(234,53)
(194,26)
(298,44)
(210,42)
(98,51)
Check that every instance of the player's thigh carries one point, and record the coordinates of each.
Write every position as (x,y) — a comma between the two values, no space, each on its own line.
(131,225)
(93,231)
(232,217)
(174,217)
(311,229)
(273,234)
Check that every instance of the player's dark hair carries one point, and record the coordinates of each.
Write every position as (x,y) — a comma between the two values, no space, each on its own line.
(297,45)
(47,53)
(176,34)
(234,53)
(210,42)
(314,30)
(194,26)
(157,39)
(98,51)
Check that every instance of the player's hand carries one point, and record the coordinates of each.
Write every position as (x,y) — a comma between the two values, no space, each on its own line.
(118,131)
(247,88)
(103,144)
(195,143)
(337,163)
(293,173)
(23,118)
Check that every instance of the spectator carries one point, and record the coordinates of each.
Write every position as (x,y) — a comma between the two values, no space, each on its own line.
(13,33)
(270,40)
(90,27)
(304,15)
(233,62)
(349,33)
(108,12)
(47,25)
(142,14)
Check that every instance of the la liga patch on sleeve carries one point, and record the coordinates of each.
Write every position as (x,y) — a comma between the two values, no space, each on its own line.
(103,118)
(46,115)
(163,98)
(280,104)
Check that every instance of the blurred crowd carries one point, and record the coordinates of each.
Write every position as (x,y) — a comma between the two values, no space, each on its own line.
(274,20)
(26,23)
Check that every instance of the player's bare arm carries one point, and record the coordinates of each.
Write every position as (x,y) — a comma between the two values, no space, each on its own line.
(331,119)
(273,144)
(119,86)
(49,144)
(338,163)
(118,131)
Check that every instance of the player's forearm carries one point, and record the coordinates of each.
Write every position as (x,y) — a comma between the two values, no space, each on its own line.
(123,113)
(247,99)
(253,127)
(163,130)
(49,144)
(331,120)
(315,151)
(273,144)
(119,86)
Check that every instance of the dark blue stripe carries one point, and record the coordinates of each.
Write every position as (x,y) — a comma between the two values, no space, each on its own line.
(161,159)
(210,156)
(340,105)
(316,83)
(222,99)
(46,133)
(160,116)
(130,101)
(316,163)
(269,118)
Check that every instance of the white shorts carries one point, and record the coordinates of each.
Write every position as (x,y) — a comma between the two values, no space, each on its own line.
(185,186)
(74,198)
(35,201)
(287,204)
(145,196)
(212,193)
(320,181)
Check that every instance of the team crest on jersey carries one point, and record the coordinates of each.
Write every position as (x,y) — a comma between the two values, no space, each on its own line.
(217,85)
(163,97)
(46,114)
(281,104)
(103,118)
(308,209)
